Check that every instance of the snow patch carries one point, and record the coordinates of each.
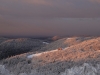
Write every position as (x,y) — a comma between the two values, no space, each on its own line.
(38,54)
(45,43)
(65,48)
(34,55)
(69,38)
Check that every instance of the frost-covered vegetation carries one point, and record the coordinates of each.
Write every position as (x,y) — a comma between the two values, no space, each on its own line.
(85,69)
(81,56)
(65,42)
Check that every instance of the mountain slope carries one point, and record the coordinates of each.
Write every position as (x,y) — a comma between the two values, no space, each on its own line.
(61,62)
(2,39)
(65,42)
(17,46)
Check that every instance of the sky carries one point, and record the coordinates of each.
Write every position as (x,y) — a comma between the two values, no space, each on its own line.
(49,17)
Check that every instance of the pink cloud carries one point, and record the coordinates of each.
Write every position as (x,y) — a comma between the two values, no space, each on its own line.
(37,2)
(97,1)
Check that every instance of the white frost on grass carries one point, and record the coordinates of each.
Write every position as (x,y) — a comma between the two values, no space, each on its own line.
(4,71)
(34,55)
(45,43)
(69,38)
(86,69)
(38,54)
(65,48)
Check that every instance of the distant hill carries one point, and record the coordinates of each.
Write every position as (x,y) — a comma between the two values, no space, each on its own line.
(65,42)
(10,47)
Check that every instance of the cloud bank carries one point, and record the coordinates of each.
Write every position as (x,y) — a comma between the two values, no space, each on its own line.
(49,17)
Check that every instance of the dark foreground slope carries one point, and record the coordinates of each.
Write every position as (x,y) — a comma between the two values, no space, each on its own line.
(78,59)
(12,47)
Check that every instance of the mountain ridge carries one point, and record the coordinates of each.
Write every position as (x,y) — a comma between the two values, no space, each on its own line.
(59,62)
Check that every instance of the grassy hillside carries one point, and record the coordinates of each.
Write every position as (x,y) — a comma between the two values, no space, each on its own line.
(76,53)
(65,42)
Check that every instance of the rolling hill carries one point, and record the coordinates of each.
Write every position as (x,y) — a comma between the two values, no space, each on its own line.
(65,42)
(79,56)
(12,47)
